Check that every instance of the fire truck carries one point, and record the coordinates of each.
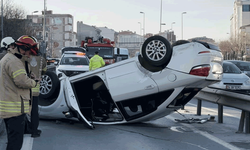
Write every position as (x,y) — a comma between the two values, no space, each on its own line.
(104,46)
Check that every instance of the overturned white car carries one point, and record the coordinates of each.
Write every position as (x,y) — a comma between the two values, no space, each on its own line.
(159,81)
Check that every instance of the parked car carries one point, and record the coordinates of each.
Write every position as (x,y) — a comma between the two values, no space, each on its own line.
(152,85)
(242,65)
(73,63)
(233,79)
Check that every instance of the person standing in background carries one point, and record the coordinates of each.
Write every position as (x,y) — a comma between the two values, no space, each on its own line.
(96,62)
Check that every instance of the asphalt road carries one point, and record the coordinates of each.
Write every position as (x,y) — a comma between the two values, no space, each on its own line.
(161,134)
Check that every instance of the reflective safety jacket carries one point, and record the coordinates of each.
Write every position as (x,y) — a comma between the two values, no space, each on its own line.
(35,66)
(15,86)
(96,62)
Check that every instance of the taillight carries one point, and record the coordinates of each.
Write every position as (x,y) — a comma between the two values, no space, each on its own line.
(202,52)
(200,71)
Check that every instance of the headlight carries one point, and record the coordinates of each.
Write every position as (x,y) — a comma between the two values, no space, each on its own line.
(247,82)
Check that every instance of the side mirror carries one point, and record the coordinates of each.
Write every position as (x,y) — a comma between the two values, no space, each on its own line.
(56,63)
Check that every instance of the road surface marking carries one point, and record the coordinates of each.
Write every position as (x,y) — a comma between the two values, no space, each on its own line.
(27,142)
(207,135)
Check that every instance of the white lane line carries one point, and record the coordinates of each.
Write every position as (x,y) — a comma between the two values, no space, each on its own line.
(213,110)
(207,135)
(27,142)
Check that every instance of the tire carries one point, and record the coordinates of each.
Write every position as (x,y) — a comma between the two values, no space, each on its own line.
(149,67)
(180,42)
(157,51)
(49,85)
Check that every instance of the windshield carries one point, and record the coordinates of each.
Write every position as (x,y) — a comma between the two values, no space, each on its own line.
(74,61)
(104,52)
(231,68)
(243,66)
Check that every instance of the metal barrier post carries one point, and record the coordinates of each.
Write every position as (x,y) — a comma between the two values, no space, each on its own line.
(242,119)
(220,113)
(199,107)
(247,125)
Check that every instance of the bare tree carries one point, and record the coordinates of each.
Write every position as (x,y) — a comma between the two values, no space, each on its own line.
(14,22)
(234,48)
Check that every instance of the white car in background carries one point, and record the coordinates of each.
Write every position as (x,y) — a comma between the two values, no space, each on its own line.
(72,63)
(161,80)
(233,79)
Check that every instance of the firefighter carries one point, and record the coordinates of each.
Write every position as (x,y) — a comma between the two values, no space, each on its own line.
(96,62)
(38,67)
(15,89)
(7,42)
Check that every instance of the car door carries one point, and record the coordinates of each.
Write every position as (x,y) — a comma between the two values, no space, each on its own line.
(128,81)
(72,102)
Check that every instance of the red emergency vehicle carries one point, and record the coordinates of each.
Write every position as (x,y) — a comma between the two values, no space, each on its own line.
(104,46)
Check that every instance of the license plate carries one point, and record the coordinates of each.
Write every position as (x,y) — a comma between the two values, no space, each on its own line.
(233,87)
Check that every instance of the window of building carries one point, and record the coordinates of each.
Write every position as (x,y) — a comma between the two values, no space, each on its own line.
(245,8)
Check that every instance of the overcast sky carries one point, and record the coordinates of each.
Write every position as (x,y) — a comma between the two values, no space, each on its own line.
(210,18)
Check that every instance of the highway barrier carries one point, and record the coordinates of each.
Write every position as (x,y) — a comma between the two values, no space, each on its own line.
(230,99)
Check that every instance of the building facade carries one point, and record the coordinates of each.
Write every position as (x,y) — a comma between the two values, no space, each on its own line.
(108,33)
(240,19)
(129,40)
(84,30)
(58,31)
(169,35)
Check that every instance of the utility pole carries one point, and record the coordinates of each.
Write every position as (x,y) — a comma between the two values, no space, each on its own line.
(44,25)
(2,17)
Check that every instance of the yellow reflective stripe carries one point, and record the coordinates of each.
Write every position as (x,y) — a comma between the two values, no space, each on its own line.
(10,102)
(45,69)
(26,110)
(4,109)
(18,72)
(36,89)
(14,107)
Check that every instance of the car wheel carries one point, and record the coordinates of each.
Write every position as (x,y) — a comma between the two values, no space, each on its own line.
(49,85)
(157,51)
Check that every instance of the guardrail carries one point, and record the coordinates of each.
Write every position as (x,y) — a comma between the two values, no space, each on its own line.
(230,99)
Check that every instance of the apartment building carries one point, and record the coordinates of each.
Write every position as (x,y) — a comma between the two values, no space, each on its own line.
(240,19)
(129,40)
(58,31)
(85,30)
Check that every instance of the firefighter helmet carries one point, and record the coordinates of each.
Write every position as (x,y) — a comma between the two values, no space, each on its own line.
(28,43)
(6,42)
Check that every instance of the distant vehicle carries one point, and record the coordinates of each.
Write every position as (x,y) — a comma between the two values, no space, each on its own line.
(150,86)
(233,79)
(73,48)
(104,46)
(244,66)
(122,54)
(73,63)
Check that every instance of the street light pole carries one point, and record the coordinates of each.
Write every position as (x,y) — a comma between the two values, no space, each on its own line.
(140,27)
(182,24)
(143,24)
(2,17)
(160,16)
(172,31)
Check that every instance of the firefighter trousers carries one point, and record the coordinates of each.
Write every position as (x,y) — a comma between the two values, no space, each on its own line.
(34,115)
(15,131)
